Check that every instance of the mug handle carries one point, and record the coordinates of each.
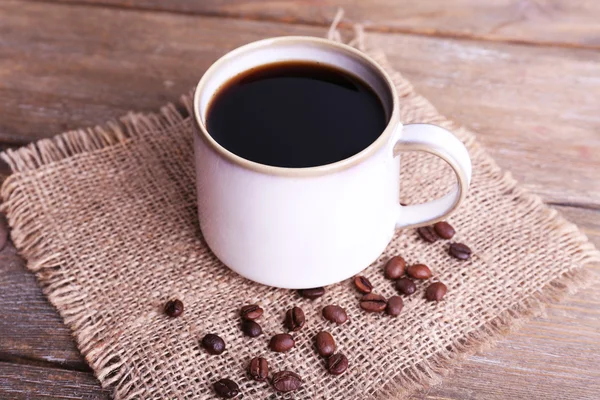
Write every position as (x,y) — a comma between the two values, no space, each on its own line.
(440,142)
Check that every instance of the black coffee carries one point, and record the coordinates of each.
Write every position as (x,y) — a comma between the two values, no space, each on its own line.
(295,114)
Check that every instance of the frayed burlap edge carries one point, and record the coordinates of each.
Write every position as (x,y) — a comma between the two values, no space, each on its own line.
(63,293)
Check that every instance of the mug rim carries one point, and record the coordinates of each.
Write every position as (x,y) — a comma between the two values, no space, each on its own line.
(324,169)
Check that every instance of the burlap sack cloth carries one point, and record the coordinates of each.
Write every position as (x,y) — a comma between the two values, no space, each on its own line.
(106,218)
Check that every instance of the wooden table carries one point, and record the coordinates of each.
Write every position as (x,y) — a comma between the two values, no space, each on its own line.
(525,74)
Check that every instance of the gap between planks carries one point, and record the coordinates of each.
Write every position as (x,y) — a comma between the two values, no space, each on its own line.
(130,7)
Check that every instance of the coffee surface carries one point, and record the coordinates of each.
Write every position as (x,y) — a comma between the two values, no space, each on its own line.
(295,114)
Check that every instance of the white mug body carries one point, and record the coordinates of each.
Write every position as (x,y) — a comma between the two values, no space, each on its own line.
(309,227)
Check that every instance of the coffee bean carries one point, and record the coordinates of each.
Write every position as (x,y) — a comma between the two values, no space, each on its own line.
(373,302)
(313,293)
(427,234)
(335,314)
(281,342)
(419,271)
(294,319)
(394,268)
(394,306)
(325,344)
(436,291)
(3,232)
(251,328)
(460,251)
(174,308)
(213,344)
(258,369)
(405,286)
(286,381)
(337,364)
(251,312)
(363,285)
(444,230)
(226,388)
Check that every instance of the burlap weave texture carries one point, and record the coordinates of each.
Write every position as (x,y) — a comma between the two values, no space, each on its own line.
(106,218)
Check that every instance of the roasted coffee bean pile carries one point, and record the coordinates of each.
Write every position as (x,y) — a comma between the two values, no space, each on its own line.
(336,363)
(397,270)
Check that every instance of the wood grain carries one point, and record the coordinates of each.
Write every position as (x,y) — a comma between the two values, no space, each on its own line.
(30,328)
(23,382)
(558,22)
(535,108)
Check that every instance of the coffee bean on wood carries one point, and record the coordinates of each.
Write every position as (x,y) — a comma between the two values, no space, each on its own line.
(286,381)
(174,308)
(337,364)
(281,342)
(373,302)
(362,284)
(419,271)
(460,251)
(436,291)
(294,319)
(258,369)
(427,233)
(335,314)
(406,286)
(313,293)
(394,268)
(226,388)
(251,312)
(251,328)
(394,306)
(325,344)
(444,230)
(213,344)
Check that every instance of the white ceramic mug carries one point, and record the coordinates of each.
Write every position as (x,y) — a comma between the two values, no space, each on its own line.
(309,227)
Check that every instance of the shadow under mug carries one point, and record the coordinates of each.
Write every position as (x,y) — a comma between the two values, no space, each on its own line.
(308,227)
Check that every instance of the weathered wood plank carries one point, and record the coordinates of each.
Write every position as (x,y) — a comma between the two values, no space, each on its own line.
(535,108)
(24,382)
(562,22)
(30,327)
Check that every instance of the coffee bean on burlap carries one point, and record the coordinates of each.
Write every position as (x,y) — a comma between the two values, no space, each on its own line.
(337,364)
(3,232)
(213,344)
(460,251)
(174,308)
(436,291)
(444,230)
(258,369)
(419,271)
(281,342)
(335,314)
(363,285)
(373,302)
(325,344)
(294,319)
(251,328)
(394,306)
(394,268)
(427,234)
(226,388)
(251,312)
(312,294)
(406,286)
(286,381)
